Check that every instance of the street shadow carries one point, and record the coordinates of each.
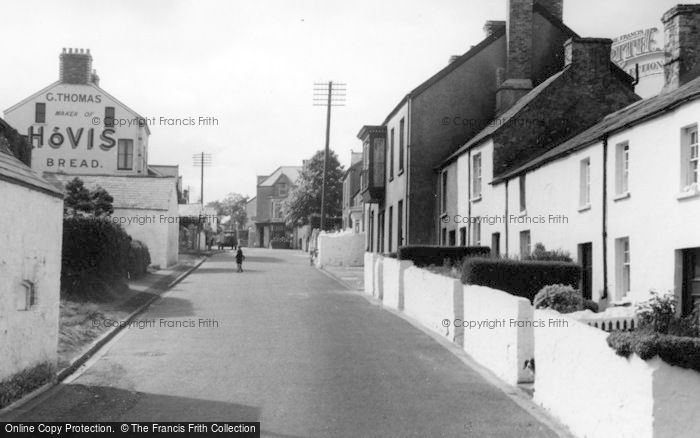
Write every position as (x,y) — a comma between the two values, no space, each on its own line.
(224,270)
(170,307)
(83,403)
(263,259)
(86,403)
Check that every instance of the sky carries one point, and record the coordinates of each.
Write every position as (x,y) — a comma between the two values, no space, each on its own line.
(252,66)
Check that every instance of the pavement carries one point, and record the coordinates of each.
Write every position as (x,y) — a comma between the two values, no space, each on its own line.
(351,276)
(284,344)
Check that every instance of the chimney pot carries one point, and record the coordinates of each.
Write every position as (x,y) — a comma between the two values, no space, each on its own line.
(681,46)
(493,26)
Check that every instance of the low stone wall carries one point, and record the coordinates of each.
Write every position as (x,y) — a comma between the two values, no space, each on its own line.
(498,332)
(341,249)
(369,268)
(433,300)
(596,393)
(393,282)
(378,289)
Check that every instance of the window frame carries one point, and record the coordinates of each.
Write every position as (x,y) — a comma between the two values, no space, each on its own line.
(477,176)
(443,193)
(120,143)
(37,112)
(693,170)
(622,153)
(391,155)
(109,119)
(522,186)
(402,130)
(585,183)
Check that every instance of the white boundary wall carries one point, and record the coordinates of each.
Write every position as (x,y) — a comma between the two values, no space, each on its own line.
(587,386)
(432,299)
(393,282)
(369,271)
(341,249)
(506,346)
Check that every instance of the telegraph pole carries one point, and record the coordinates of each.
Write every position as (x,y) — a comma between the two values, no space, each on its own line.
(328,95)
(201,160)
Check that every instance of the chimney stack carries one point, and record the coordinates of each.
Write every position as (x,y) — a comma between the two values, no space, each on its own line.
(75,66)
(682,45)
(589,57)
(493,26)
(554,7)
(518,75)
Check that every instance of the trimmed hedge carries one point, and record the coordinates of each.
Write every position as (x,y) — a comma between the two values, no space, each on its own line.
(520,278)
(426,255)
(681,351)
(139,259)
(563,299)
(95,257)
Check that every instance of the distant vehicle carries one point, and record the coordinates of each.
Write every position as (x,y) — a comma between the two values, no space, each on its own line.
(230,239)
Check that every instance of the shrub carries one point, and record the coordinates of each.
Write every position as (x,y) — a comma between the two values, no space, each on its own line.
(22,383)
(590,305)
(520,278)
(94,258)
(563,299)
(658,314)
(682,351)
(280,242)
(426,255)
(541,253)
(139,259)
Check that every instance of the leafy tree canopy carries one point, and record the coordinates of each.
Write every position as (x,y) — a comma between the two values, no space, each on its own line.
(304,200)
(234,205)
(80,201)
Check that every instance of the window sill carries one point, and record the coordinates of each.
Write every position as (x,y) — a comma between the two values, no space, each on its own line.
(689,193)
(522,213)
(583,208)
(400,172)
(476,199)
(622,196)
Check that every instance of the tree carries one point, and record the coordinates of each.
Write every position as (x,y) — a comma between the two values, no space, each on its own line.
(233,205)
(304,200)
(80,201)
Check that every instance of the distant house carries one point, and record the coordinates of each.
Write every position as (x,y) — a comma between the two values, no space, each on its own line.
(353,217)
(146,207)
(30,264)
(251,209)
(272,190)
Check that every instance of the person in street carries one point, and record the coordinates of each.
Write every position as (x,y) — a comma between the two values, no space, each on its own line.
(221,240)
(239,260)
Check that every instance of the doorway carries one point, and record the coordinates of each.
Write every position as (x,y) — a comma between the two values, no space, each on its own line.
(585,258)
(691,280)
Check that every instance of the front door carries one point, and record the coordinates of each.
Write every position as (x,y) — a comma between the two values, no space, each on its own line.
(691,280)
(585,258)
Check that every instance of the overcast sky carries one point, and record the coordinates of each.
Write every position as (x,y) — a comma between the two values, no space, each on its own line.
(252,65)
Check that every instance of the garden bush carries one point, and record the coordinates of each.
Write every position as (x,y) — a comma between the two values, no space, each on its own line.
(563,299)
(426,255)
(139,259)
(520,278)
(682,351)
(541,253)
(94,258)
(280,242)
(24,382)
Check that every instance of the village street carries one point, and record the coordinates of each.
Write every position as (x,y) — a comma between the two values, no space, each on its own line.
(286,345)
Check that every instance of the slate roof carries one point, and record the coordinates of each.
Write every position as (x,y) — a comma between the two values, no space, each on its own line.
(505,117)
(195,210)
(14,171)
(292,173)
(164,170)
(634,114)
(129,192)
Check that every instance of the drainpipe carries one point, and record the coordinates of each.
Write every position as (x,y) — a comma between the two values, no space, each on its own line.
(506,218)
(469,197)
(407,175)
(605,218)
